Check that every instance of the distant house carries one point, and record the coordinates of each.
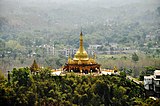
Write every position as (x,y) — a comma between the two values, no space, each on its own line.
(156,83)
(152,84)
(148,82)
(49,49)
(67,52)
(149,37)
(94,47)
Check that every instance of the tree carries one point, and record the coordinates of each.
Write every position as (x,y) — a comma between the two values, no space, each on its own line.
(45,73)
(150,70)
(22,77)
(15,45)
(135,57)
(141,76)
(103,90)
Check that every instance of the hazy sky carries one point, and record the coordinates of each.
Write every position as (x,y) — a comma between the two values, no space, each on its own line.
(104,3)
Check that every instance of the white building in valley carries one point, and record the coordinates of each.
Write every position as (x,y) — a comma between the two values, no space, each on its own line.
(148,82)
(152,84)
(156,82)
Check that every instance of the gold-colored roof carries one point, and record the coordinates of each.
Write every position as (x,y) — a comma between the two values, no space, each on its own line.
(81,54)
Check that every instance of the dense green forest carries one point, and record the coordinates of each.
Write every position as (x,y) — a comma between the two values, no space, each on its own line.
(28,89)
(26,26)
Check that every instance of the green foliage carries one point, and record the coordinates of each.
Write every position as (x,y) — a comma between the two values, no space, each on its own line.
(14,45)
(141,76)
(123,74)
(44,73)
(2,78)
(43,89)
(135,57)
(7,94)
(149,70)
(22,77)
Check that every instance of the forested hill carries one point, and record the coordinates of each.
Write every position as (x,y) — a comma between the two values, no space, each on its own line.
(121,21)
(41,89)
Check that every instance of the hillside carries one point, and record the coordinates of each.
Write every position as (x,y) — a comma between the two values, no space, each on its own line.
(57,20)
(26,26)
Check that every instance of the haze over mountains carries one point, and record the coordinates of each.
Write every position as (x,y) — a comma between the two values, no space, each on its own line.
(29,27)
(65,18)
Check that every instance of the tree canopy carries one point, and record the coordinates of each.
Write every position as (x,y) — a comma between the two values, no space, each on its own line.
(135,57)
(44,89)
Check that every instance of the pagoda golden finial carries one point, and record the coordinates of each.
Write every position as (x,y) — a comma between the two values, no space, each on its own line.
(81,43)
(81,53)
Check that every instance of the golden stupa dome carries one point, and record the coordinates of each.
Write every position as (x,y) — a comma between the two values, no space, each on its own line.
(92,61)
(81,53)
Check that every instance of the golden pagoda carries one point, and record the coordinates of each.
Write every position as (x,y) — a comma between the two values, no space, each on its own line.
(81,62)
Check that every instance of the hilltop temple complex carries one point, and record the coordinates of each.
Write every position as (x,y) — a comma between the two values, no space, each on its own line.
(81,62)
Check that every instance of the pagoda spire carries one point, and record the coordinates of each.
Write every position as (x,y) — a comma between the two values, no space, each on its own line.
(81,42)
(81,53)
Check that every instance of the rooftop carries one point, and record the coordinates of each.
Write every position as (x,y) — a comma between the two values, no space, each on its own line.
(148,77)
(157,72)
